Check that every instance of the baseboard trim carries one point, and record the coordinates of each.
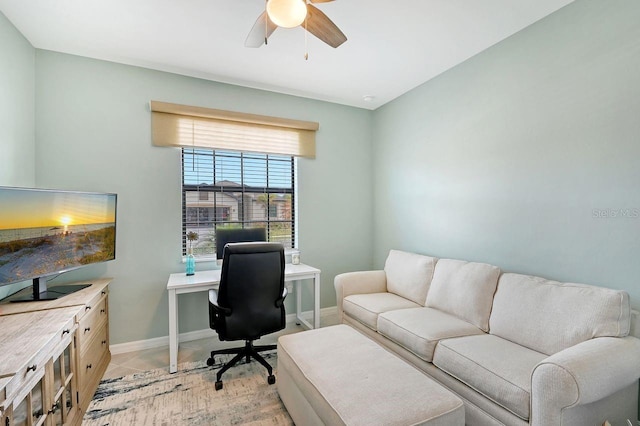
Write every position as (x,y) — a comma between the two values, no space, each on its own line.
(189,336)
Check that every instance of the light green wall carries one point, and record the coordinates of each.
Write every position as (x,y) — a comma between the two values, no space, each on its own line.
(93,133)
(17,100)
(17,103)
(508,157)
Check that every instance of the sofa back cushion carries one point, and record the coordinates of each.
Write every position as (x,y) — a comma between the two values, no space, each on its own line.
(464,289)
(548,316)
(409,275)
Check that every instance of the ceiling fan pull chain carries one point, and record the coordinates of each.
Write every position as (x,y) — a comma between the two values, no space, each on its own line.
(266,23)
(306,45)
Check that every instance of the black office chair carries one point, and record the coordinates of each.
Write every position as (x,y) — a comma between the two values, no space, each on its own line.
(249,302)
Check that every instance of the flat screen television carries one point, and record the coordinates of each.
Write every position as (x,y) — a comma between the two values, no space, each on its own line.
(44,233)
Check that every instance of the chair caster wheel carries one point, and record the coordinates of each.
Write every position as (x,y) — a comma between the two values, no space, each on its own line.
(210,361)
(218,385)
(271,379)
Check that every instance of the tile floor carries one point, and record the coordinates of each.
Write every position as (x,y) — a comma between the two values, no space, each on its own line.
(196,350)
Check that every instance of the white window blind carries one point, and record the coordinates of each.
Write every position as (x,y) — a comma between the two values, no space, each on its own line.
(195,127)
(236,190)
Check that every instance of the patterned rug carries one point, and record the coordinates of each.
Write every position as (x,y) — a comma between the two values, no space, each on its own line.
(188,397)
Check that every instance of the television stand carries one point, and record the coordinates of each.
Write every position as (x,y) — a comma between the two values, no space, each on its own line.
(52,293)
(41,293)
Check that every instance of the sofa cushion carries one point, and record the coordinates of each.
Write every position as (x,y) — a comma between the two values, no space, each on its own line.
(409,275)
(366,307)
(495,367)
(548,316)
(464,289)
(420,329)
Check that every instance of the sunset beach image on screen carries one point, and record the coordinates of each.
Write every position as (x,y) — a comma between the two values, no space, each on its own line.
(46,232)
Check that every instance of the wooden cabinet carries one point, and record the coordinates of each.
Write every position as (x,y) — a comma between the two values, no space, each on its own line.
(93,346)
(4,403)
(30,345)
(52,357)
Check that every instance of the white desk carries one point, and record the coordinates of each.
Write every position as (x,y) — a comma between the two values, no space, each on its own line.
(180,283)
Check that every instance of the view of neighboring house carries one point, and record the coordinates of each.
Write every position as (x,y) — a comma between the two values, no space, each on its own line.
(236,205)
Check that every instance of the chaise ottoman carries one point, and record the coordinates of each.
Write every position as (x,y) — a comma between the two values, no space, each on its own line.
(337,376)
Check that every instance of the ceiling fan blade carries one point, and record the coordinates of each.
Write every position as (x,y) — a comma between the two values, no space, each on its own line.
(258,33)
(322,27)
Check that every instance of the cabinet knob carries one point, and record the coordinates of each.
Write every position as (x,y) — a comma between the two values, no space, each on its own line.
(32,368)
(88,366)
(86,308)
(103,292)
(87,329)
(104,342)
(66,331)
(102,311)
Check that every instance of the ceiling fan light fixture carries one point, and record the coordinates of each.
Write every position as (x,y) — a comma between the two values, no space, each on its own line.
(287,13)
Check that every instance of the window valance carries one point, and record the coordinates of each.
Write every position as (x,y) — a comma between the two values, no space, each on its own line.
(188,126)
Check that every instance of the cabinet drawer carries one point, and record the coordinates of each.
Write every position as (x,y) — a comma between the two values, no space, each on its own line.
(92,304)
(25,379)
(91,322)
(90,357)
(63,338)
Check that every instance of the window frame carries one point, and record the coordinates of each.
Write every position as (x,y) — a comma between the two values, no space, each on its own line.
(243,189)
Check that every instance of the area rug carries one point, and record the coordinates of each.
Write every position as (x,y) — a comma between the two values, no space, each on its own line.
(188,397)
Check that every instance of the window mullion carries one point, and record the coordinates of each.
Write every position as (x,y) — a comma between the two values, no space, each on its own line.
(242,206)
(268,197)
(214,222)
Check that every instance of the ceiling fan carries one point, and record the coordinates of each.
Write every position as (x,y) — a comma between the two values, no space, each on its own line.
(293,13)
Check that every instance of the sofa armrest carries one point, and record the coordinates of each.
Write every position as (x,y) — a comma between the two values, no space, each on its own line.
(581,374)
(635,324)
(360,282)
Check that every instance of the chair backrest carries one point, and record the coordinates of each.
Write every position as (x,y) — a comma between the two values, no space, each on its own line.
(251,284)
(237,235)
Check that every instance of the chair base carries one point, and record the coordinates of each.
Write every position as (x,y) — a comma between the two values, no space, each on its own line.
(248,351)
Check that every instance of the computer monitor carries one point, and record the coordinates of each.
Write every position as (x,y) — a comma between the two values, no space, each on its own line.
(237,235)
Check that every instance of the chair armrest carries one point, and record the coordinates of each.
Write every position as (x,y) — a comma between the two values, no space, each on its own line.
(581,374)
(361,282)
(213,304)
(280,301)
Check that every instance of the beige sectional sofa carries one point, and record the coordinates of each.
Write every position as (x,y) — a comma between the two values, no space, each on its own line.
(517,349)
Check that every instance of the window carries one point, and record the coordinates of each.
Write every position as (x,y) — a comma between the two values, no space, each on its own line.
(224,182)
(234,189)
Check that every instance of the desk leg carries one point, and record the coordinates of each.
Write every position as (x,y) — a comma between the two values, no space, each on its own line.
(316,301)
(298,287)
(173,331)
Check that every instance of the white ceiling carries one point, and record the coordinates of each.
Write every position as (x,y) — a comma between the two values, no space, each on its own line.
(392,47)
